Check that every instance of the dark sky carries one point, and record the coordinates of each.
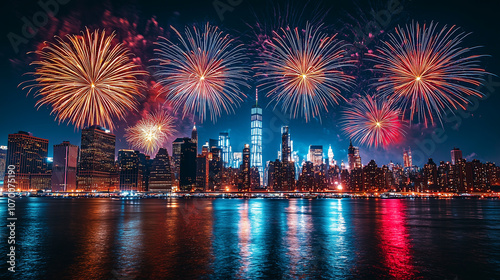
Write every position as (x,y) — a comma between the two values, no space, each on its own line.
(476,133)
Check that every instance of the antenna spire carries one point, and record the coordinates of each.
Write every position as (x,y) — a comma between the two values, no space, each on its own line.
(256,96)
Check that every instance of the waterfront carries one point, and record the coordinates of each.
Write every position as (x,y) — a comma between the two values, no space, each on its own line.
(103,238)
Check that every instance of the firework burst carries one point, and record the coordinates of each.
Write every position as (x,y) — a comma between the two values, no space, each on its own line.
(203,75)
(373,122)
(151,133)
(87,80)
(304,71)
(426,71)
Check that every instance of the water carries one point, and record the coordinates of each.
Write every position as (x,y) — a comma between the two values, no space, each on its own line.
(255,238)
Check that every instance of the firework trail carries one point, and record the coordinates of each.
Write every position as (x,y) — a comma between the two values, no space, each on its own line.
(426,71)
(203,75)
(87,80)
(304,71)
(278,16)
(151,132)
(373,122)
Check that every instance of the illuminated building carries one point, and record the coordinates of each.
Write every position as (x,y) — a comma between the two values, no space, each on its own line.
(373,177)
(28,154)
(430,174)
(237,159)
(331,160)
(194,137)
(285,144)
(272,173)
(213,143)
(146,163)
(306,180)
(176,158)
(3,161)
(456,155)
(225,145)
(202,172)
(64,167)
(354,159)
(216,169)
(256,138)
(283,176)
(255,178)
(97,160)
(245,182)
(316,154)
(161,175)
(131,170)
(407,159)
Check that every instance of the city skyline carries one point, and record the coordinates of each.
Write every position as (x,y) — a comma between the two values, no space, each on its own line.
(460,130)
(93,167)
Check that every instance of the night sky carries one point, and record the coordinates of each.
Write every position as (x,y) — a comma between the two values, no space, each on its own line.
(477,133)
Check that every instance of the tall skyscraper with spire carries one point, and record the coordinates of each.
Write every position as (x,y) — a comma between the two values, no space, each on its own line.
(256,137)
(194,137)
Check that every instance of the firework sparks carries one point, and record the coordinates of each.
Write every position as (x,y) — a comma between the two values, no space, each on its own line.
(426,71)
(151,133)
(87,80)
(373,122)
(205,73)
(304,71)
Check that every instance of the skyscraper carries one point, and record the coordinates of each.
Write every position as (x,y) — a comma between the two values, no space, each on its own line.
(331,161)
(64,167)
(29,155)
(187,165)
(407,159)
(160,178)
(3,161)
(256,137)
(237,159)
(244,185)
(202,171)
(225,145)
(285,144)
(316,154)
(131,170)
(354,159)
(215,169)
(456,155)
(97,160)
(176,155)
(284,177)
(194,137)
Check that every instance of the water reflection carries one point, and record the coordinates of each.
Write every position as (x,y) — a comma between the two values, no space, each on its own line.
(257,239)
(298,235)
(244,239)
(394,240)
(129,238)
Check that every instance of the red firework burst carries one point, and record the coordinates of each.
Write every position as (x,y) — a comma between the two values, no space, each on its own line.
(373,122)
(426,71)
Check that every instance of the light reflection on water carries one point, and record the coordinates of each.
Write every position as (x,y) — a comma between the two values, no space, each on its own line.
(256,238)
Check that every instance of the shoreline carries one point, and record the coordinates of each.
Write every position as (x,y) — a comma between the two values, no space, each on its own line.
(262,195)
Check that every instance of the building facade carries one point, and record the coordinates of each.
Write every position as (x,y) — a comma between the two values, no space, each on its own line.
(256,138)
(97,170)
(65,167)
(29,156)
(161,175)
